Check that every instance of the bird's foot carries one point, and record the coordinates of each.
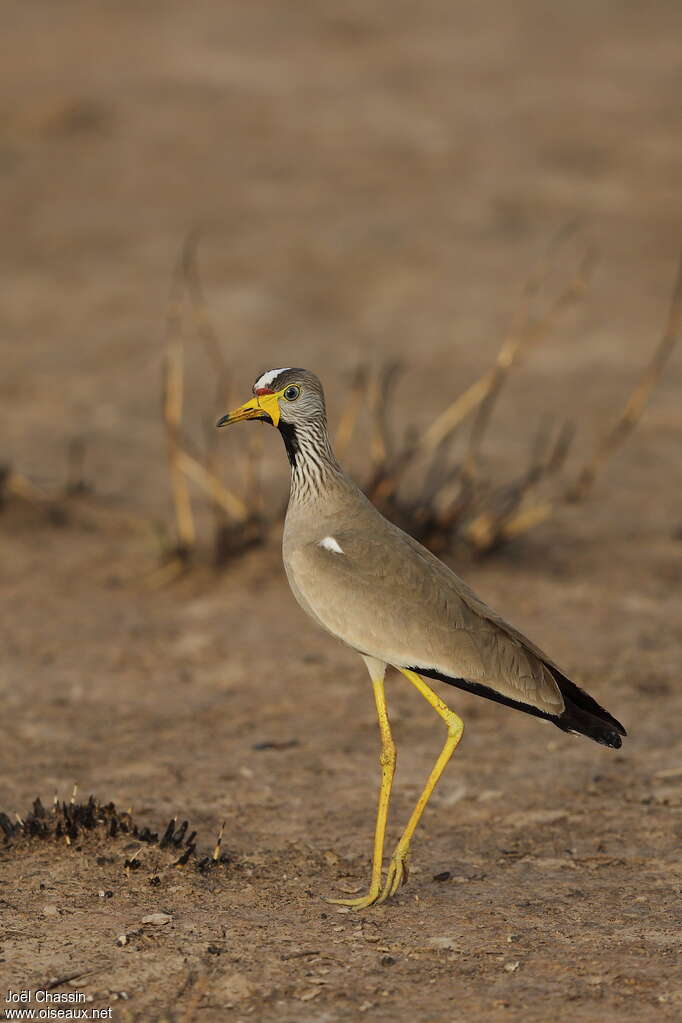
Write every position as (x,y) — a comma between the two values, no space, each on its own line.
(397,874)
(362,903)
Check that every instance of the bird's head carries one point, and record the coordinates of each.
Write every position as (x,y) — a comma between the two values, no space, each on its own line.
(282,397)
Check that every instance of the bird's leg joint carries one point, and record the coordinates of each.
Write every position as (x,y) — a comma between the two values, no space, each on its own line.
(454,723)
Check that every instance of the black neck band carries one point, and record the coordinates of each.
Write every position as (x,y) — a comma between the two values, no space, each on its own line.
(288,431)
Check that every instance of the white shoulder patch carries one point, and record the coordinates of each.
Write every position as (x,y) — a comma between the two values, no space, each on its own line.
(330,544)
(266,379)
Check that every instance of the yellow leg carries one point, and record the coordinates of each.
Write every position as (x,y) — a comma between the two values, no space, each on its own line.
(387,759)
(397,870)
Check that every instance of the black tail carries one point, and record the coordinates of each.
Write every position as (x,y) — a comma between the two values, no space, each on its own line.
(581,714)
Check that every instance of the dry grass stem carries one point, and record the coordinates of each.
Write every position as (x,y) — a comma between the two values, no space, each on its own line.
(172,415)
(449,499)
(212,486)
(526,334)
(219,844)
(18,485)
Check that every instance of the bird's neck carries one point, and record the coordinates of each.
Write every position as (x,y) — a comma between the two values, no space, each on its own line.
(314,469)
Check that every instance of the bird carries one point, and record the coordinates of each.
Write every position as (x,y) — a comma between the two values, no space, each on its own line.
(374,587)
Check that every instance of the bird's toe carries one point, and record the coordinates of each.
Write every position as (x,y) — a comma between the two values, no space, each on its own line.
(396,876)
(360,903)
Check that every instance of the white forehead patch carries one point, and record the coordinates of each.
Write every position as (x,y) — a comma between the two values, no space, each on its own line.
(330,544)
(267,378)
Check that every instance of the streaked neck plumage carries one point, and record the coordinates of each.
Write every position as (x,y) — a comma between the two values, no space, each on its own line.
(314,469)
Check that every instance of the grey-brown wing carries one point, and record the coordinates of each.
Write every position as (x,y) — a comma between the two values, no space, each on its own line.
(387,596)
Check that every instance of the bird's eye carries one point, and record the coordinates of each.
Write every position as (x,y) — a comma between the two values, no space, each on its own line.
(292,392)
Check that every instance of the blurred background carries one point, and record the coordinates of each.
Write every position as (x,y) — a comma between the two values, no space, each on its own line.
(371,181)
(368,177)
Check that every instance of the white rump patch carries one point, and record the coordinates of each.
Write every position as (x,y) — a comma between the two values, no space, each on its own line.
(330,544)
(267,378)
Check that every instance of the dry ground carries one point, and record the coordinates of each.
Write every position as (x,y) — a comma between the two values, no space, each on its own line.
(370,177)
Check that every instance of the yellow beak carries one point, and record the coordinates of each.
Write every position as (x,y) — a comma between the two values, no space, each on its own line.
(264,406)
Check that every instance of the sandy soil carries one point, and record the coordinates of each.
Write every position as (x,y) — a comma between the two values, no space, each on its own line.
(369,177)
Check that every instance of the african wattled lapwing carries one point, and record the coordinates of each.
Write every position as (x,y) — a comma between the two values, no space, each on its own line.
(380,592)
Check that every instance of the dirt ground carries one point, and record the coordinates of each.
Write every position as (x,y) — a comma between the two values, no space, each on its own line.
(369,177)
